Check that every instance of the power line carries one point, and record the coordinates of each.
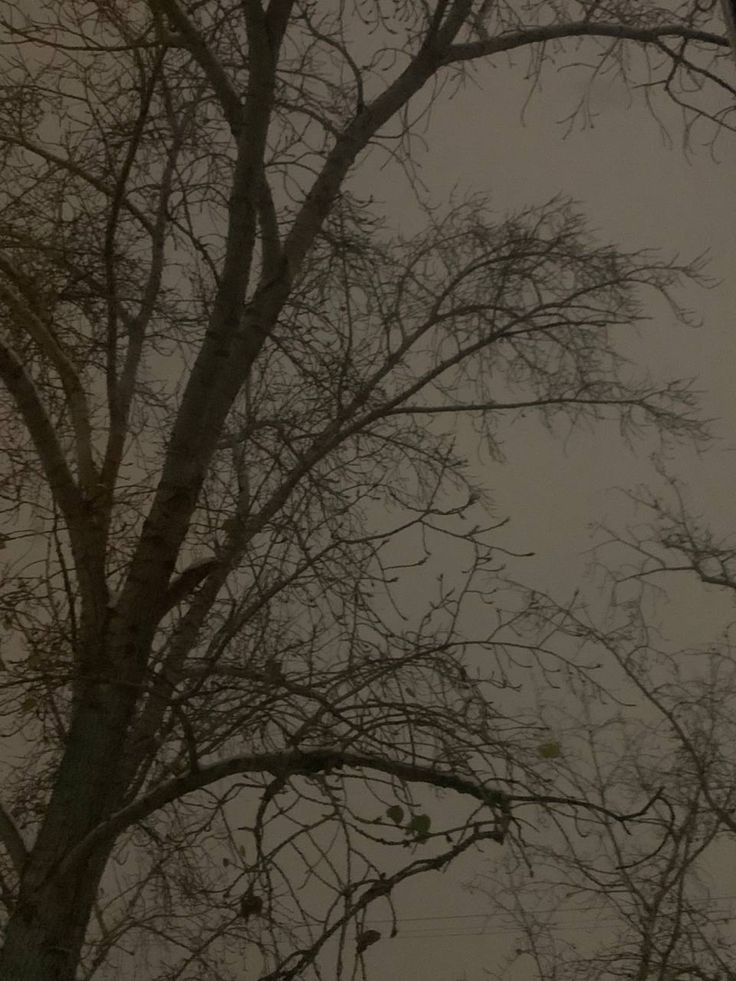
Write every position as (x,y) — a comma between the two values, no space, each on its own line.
(500,923)
(513,929)
(710,902)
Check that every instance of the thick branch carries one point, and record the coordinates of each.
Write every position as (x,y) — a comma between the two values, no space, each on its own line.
(643,401)
(136,329)
(538,35)
(216,75)
(50,454)
(76,400)
(729,18)
(285,764)
(108,251)
(232,342)
(11,839)
(491,406)
(359,132)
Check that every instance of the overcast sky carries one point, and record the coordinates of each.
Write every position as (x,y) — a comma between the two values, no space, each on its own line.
(637,192)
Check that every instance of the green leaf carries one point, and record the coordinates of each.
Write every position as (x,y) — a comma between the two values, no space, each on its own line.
(419,825)
(550,750)
(395,813)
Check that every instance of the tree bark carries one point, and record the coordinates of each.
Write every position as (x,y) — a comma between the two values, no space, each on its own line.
(44,937)
(46,930)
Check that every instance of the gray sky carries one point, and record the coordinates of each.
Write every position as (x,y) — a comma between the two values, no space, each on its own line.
(637,192)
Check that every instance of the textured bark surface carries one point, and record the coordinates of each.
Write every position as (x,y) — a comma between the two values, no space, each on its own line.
(44,938)
(44,935)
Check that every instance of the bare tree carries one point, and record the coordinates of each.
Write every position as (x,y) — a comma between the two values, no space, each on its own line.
(229,394)
(589,899)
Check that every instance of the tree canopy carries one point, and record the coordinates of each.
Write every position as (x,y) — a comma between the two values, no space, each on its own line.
(230,388)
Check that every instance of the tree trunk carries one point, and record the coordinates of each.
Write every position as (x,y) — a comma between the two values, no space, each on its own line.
(43,941)
(46,930)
